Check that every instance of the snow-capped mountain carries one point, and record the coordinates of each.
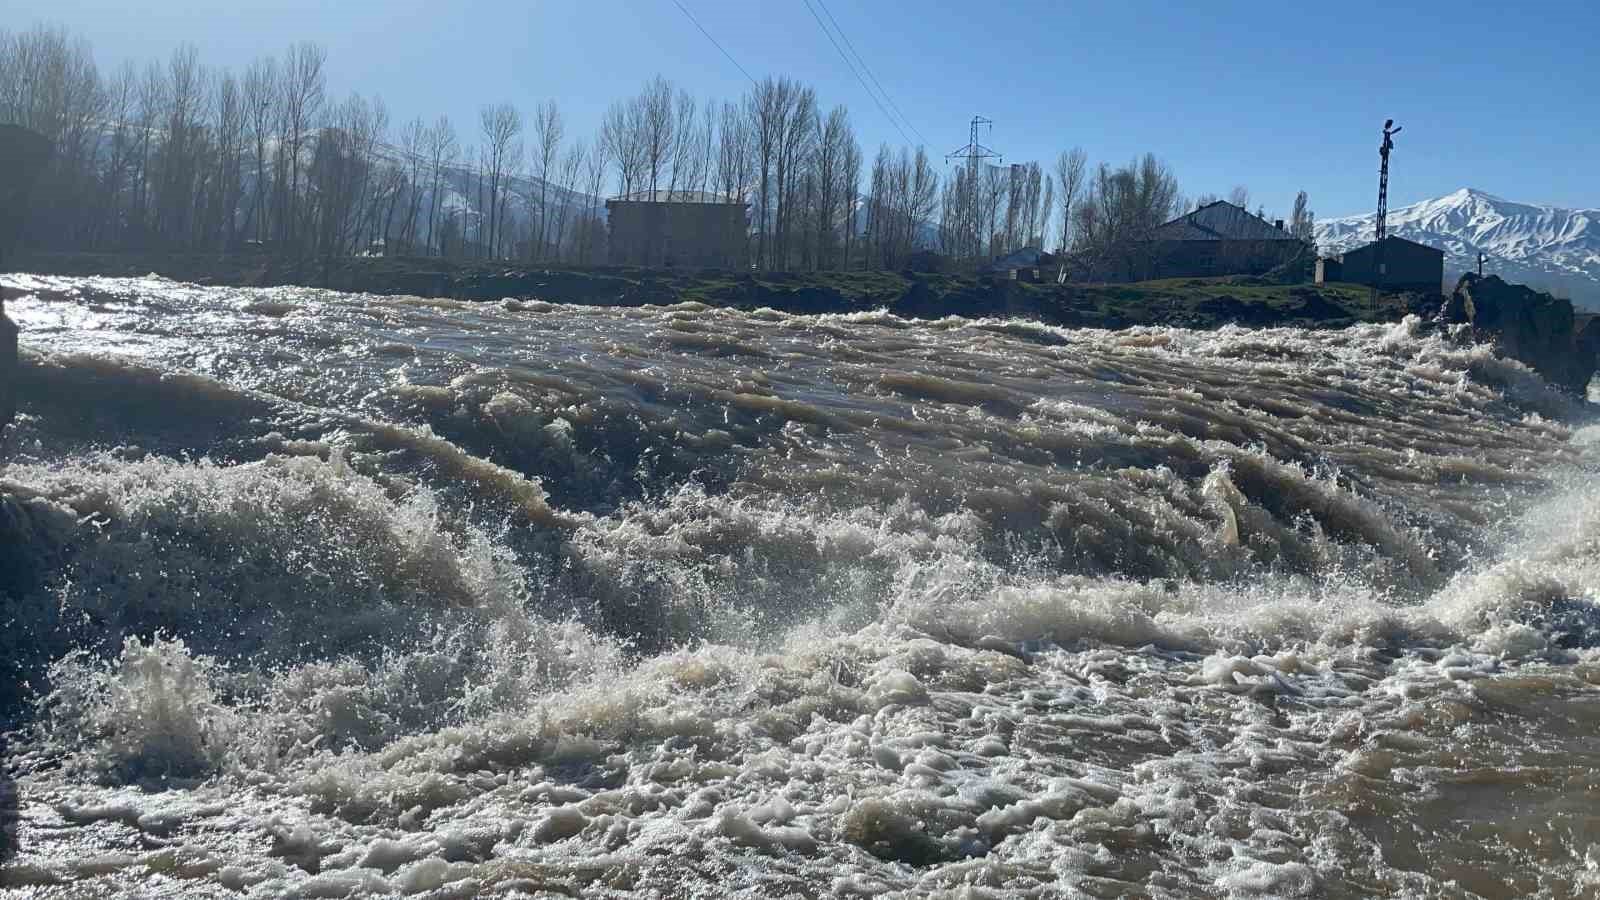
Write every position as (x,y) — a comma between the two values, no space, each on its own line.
(1542,246)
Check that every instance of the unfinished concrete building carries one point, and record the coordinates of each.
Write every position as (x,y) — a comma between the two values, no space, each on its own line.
(1408,266)
(692,229)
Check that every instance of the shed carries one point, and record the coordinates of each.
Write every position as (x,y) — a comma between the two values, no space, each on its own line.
(1407,266)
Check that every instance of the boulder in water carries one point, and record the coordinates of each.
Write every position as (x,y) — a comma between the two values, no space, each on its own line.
(22,154)
(1534,328)
(8,370)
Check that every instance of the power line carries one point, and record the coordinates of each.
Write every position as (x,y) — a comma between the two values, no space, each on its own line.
(713,40)
(851,66)
(868,70)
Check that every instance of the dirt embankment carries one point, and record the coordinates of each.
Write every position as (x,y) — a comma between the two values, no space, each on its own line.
(1195,303)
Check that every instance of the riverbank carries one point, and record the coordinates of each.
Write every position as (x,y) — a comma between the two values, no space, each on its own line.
(1190,303)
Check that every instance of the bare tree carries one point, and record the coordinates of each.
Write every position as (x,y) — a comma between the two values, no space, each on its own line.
(850,183)
(442,150)
(260,96)
(923,199)
(49,83)
(571,170)
(122,104)
(1046,207)
(1071,172)
(341,173)
(903,196)
(548,132)
(1303,221)
(769,108)
(1121,208)
(229,127)
(705,147)
(1240,196)
(303,84)
(501,125)
(682,149)
(833,139)
(794,150)
(185,97)
(733,153)
(656,136)
(880,206)
(594,173)
(622,136)
(414,145)
(992,195)
(152,103)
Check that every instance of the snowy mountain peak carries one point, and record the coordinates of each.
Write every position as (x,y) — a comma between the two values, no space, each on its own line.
(1544,246)
(1467,195)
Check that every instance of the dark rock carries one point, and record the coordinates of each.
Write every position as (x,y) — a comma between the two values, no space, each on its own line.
(926,261)
(1588,328)
(1312,305)
(1534,328)
(1226,309)
(22,154)
(8,370)
(1571,624)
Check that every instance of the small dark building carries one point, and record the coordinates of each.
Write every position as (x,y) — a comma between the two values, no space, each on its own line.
(676,228)
(1408,266)
(1218,239)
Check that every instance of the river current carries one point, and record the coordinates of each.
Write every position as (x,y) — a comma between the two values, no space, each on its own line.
(320,595)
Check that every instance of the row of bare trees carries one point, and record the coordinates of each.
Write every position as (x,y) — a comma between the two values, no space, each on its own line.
(177,155)
(180,156)
(990,211)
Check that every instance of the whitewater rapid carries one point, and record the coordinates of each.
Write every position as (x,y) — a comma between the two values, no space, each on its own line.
(321,595)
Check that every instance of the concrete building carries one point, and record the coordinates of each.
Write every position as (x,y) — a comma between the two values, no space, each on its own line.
(677,228)
(1408,265)
(1218,239)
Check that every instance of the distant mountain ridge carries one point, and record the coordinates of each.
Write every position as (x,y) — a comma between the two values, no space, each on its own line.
(1546,247)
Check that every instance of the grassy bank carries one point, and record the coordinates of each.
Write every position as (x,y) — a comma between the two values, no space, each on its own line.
(1195,303)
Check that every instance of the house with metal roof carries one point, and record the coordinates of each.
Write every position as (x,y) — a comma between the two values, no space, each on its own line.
(1218,239)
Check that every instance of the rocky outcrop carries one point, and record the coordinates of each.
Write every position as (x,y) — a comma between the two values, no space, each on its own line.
(22,154)
(8,370)
(1536,329)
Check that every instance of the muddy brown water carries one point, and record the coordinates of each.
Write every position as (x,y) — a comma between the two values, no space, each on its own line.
(339,595)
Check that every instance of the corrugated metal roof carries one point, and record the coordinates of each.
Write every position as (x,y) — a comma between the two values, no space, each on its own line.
(1220,221)
(674,197)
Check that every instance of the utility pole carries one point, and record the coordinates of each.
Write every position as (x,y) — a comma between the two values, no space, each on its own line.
(974,153)
(1379,268)
(1481,256)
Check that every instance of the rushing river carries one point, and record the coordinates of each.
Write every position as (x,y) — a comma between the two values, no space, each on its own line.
(323,595)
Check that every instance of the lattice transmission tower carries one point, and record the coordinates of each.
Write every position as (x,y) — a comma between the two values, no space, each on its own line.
(973,155)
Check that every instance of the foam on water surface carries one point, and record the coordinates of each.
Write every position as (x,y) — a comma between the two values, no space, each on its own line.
(374,596)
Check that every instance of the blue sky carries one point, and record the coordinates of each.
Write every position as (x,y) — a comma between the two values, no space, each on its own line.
(1277,97)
